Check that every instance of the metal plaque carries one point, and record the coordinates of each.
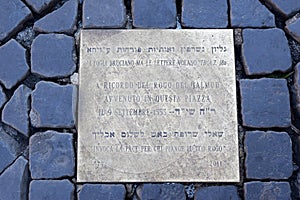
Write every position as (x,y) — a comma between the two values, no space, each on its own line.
(157,106)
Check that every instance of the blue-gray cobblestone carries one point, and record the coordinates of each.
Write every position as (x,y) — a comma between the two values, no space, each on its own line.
(13,65)
(40,5)
(242,13)
(13,14)
(62,20)
(286,7)
(3,97)
(10,149)
(101,191)
(296,95)
(13,181)
(217,192)
(293,27)
(267,190)
(162,191)
(53,105)
(51,189)
(51,155)
(268,155)
(265,51)
(15,111)
(103,14)
(265,103)
(204,14)
(144,17)
(52,55)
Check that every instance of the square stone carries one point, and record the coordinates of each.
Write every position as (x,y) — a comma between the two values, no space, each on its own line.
(265,103)
(157,106)
(268,155)
(51,189)
(265,51)
(267,190)
(53,105)
(143,13)
(204,13)
(51,155)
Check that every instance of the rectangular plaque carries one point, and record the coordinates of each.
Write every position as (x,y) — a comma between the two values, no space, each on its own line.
(157,106)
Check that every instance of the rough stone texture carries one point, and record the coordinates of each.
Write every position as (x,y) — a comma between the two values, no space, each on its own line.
(250,13)
(103,14)
(162,191)
(15,112)
(51,155)
(62,20)
(296,95)
(265,103)
(268,155)
(99,191)
(3,97)
(13,14)
(204,13)
(10,149)
(52,55)
(267,190)
(217,192)
(53,105)
(13,65)
(293,27)
(51,189)
(13,182)
(40,5)
(265,51)
(154,14)
(285,7)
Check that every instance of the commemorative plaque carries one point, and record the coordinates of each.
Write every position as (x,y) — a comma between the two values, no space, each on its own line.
(157,106)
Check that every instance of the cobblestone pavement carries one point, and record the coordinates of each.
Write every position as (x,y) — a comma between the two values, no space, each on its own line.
(38,77)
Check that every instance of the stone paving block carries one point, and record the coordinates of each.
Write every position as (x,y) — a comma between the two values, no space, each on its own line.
(217,192)
(53,105)
(13,14)
(154,14)
(250,13)
(265,51)
(204,13)
(15,112)
(265,103)
(10,149)
(285,7)
(296,95)
(62,20)
(51,189)
(3,97)
(267,190)
(101,191)
(41,5)
(268,155)
(51,155)
(13,65)
(293,27)
(52,55)
(103,14)
(13,181)
(162,191)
